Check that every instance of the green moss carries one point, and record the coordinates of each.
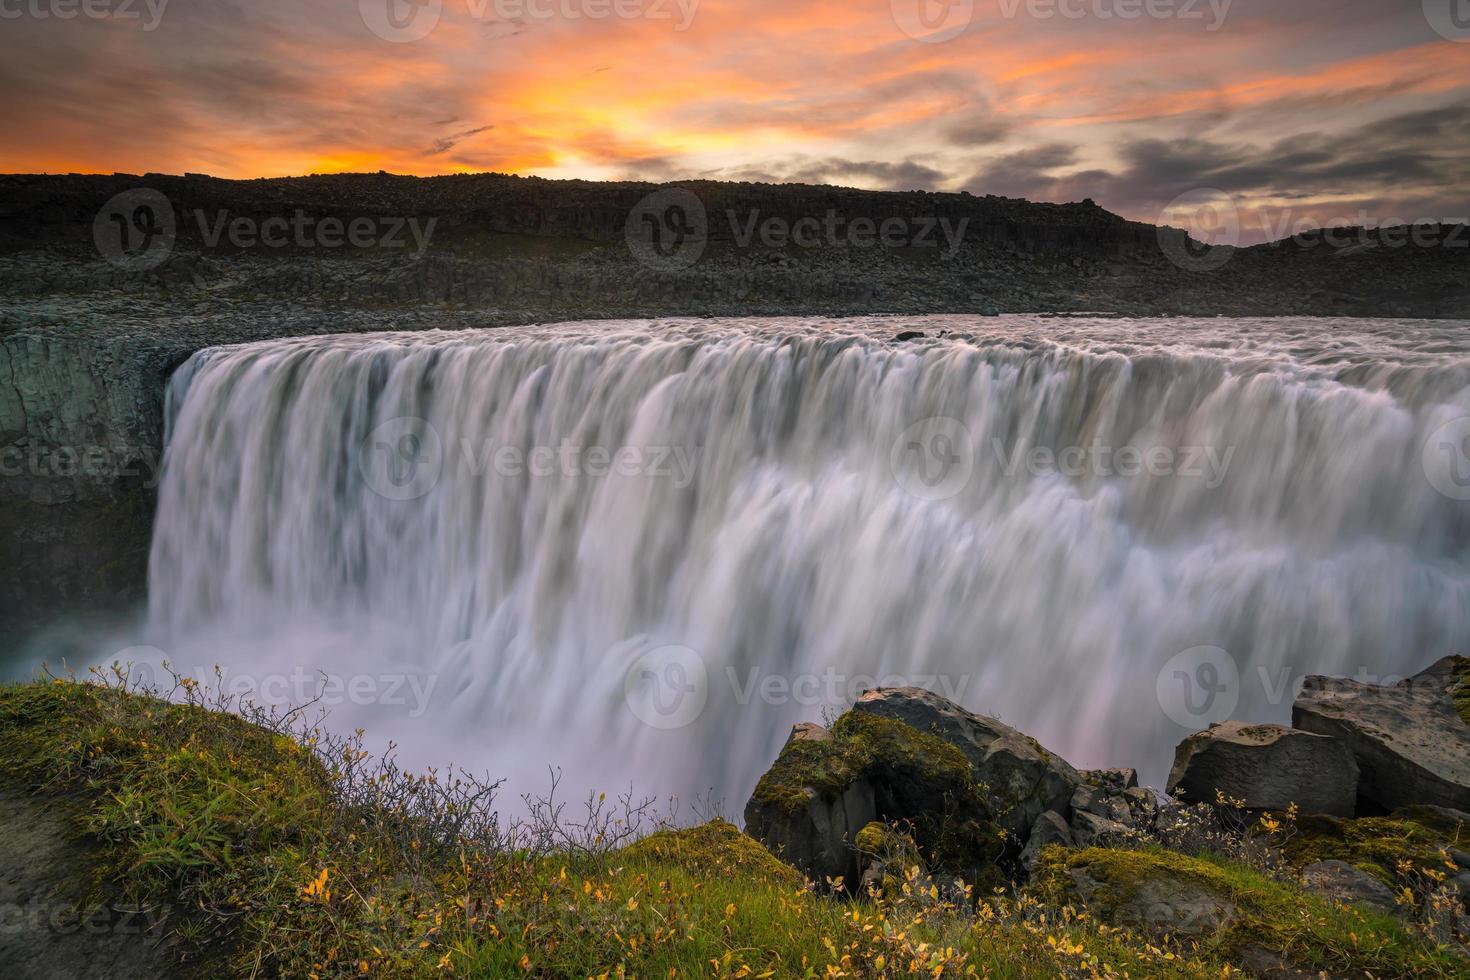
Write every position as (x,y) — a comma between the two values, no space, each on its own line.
(910,763)
(916,778)
(1377,845)
(872,838)
(716,848)
(1461,692)
(1269,917)
(860,743)
(827,767)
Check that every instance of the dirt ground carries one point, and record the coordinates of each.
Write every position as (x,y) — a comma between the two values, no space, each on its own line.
(48,931)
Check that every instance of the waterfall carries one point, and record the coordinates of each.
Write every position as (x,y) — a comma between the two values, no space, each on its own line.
(641,550)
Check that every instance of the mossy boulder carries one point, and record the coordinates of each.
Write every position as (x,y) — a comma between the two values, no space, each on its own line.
(1231,913)
(1412,840)
(822,792)
(1020,778)
(1411,739)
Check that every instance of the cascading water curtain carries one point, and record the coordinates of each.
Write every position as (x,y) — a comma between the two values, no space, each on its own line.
(640,551)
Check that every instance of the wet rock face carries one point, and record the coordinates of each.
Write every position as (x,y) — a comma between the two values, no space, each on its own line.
(1267,767)
(1410,740)
(79,417)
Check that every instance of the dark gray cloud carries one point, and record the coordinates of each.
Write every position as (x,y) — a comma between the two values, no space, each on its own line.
(446,143)
(1382,167)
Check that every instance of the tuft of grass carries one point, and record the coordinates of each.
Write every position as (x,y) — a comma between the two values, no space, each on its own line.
(1256,918)
(1412,837)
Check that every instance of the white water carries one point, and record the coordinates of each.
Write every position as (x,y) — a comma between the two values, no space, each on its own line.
(772,528)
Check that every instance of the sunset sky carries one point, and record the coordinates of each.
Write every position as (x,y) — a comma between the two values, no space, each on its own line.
(1299,108)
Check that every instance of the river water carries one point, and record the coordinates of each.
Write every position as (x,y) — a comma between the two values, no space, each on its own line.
(641,550)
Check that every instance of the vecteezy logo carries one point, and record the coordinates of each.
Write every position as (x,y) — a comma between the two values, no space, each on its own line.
(667,688)
(933,459)
(667,230)
(1211,224)
(136,230)
(932,21)
(1449,18)
(1446,459)
(141,666)
(402,459)
(1199,687)
(401,21)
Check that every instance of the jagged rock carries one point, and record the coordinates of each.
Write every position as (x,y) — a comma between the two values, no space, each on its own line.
(1140,799)
(1050,828)
(816,834)
(1338,881)
(1112,780)
(807,731)
(1410,741)
(811,805)
(1097,801)
(1268,767)
(1020,779)
(1089,829)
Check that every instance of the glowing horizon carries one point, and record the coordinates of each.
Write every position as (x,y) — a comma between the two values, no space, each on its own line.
(1321,110)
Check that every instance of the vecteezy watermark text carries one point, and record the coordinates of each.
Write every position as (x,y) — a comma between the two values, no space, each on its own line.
(303,230)
(1211,12)
(138,230)
(1206,463)
(295,687)
(936,458)
(82,462)
(1214,226)
(937,21)
(670,229)
(670,686)
(1204,685)
(405,458)
(403,21)
(66,919)
(150,12)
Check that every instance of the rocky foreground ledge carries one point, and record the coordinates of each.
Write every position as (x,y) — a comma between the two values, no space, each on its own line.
(1365,803)
(174,836)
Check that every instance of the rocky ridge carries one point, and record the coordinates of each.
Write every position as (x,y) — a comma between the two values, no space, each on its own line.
(905,776)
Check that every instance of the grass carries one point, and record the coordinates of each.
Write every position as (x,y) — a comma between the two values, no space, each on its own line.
(286,854)
(1407,842)
(1461,692)
(1267,916)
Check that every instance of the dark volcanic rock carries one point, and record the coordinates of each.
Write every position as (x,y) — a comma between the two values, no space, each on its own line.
(1051,828)
(1411,744)
(823,791)
(1338,881)
(1267,767)
(1019,777)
